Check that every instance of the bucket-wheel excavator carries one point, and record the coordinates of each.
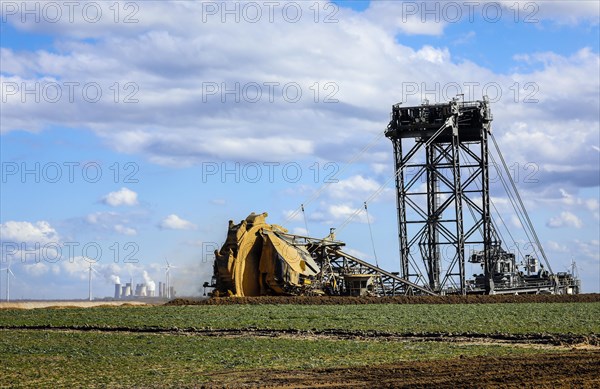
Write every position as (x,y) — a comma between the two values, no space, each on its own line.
(258,258)
(439,230)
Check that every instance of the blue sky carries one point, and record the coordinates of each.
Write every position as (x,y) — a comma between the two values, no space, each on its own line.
(164,140)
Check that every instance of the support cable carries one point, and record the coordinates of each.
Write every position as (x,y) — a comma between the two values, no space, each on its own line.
(537,240)
(305,223)
(373,245)
(332,180)
(497,212)
(515,206)
(449,123)
(371,233)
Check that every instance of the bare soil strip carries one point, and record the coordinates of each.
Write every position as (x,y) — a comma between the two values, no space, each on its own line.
(343,300)
(573,369)
(592,340)
(58,304)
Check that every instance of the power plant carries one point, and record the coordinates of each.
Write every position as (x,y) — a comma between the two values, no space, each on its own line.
(444,215)
(143,290)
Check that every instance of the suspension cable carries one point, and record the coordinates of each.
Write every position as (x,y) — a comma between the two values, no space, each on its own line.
(513,203)
(449,122)
(497,212)
(305,223)
(332,180)
(537,240)
(371,233)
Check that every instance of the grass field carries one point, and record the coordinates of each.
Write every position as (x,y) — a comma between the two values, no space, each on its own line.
(74,355)
(577,318)
(49,359)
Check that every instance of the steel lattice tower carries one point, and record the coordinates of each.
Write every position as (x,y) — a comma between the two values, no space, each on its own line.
(442,187)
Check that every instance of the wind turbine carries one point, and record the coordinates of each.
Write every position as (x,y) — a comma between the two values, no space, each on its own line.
(167,273)
(574,268)
(8,274)
(90,270)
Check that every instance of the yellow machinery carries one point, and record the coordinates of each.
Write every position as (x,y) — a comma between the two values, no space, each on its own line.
(259,259)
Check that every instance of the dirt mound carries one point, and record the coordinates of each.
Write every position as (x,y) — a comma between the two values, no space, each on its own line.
(338,300)
(575,368)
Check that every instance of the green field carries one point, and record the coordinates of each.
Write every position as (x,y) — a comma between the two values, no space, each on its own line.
(77,356)
(51,358)
(576,318)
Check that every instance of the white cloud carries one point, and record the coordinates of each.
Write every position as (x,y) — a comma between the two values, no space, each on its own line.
(39,232)
(561,12)
(178,126)
(76,267)
(396,16)
(379,168)
(353,187)
(110,222)
(121,229)
(101,218)
(590,249)
(294,215)
(433,55)
(123,196)
(358,254)
(566,219)
(592,204)
(555,246)
(345,212)
(567,198)
(36,269)
(174,222)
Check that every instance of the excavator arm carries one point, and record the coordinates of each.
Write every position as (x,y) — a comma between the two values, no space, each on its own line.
(260,259)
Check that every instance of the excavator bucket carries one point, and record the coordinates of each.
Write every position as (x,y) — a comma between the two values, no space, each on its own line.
(258,259)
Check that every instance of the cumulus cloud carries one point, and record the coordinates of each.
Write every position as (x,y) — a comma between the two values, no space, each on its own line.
(342,213)
(123,196)
(353,187)
(337,201)
(39,232)
(565,219)
(174,222)
(178,123)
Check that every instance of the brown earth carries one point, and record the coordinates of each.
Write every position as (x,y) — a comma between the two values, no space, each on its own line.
(68,304)
(591,341)
(338,300)
(571,369)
